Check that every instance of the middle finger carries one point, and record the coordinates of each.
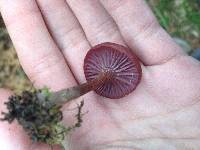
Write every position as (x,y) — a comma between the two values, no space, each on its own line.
(97,24)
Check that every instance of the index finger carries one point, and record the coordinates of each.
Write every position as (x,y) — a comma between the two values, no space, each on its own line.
(39,55)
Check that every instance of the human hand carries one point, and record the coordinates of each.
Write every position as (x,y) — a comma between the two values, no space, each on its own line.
(52,41)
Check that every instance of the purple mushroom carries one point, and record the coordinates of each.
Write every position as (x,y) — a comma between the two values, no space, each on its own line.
(117,71)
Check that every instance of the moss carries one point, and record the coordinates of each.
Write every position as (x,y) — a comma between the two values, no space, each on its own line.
(40,118)
(11,74)
(180,18)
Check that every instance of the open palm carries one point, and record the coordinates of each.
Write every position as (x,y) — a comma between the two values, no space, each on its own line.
(52,38)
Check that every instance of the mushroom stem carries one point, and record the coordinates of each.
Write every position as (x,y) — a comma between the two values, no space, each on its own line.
(63,96)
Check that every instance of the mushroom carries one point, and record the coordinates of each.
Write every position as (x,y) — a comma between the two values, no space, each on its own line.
(118,70)
(111,70)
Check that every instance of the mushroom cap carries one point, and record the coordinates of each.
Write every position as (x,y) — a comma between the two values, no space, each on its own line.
(117,60)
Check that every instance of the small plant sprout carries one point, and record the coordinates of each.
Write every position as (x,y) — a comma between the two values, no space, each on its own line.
(111,70)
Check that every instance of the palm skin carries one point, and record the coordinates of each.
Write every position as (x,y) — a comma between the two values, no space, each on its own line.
(162,113)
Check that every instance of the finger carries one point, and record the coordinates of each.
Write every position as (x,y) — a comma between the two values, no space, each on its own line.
(67,33)
(141,31)
(97,24)
(38,54)
(12,136)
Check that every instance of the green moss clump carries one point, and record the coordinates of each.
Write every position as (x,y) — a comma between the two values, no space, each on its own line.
(39,117)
